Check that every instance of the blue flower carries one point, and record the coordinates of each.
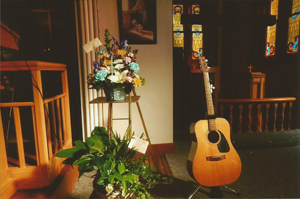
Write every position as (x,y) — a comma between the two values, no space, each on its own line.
(134,66)
(100,76)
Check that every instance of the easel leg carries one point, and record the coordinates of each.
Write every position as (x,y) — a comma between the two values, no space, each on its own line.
(195,191)
(229,189)
(144,125)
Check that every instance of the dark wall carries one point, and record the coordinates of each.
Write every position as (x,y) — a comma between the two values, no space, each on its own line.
(48,39)
(243,25)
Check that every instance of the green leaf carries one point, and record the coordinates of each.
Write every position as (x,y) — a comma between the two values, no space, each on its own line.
(80,161)
(67,153)
(124,186)
(130,177)
(89,141)
(121,168)
(111,179)
(118,176)
(98,145)
(80,144)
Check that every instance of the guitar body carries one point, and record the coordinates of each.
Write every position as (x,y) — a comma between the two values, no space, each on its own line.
(216,162)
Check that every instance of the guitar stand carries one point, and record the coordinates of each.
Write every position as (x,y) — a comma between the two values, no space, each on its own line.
(229,189)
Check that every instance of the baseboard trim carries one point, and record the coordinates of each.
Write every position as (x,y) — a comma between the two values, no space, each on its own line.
(161,148)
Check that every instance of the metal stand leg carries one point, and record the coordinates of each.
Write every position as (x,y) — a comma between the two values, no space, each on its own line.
(229,189)
(195,191)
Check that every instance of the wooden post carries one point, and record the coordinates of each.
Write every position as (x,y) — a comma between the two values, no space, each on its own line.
(7,184)
(66,110)
(259,118)
(241,117)
(275,116)
(41,125)
(282,120)
(250,118)
(267,117)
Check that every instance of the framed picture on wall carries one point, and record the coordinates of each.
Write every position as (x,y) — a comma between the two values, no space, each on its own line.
(137,21)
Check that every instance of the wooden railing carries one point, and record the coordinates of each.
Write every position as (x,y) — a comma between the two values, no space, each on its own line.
(51,128)
(265,114)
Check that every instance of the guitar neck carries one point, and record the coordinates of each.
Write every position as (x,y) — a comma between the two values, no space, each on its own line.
(209,101)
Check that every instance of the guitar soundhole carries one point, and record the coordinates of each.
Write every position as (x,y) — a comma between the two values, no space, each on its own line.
(213,136)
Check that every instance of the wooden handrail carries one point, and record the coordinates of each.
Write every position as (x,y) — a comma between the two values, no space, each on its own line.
(54,98)
(279,99)
(16,104)
(262,114)
(33,65)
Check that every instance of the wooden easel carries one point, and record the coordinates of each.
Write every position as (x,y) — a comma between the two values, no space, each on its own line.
(129,99)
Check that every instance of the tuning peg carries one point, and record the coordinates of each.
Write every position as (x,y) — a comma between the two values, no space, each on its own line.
(211,88)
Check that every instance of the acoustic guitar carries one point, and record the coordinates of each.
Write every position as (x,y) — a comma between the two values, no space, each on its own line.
(212,160)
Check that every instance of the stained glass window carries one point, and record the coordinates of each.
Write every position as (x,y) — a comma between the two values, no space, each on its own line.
(271,31)
(177,26)
(293,31)
(197,36)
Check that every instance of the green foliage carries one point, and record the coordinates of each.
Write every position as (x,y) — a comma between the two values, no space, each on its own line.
(116,164)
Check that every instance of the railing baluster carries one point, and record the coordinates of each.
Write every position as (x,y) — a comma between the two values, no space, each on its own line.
(59,124)
(290,116)
(267,117)
(259,118)
(48,131)
(250,118)
(275,116)
(231,119)
(19,136)
(282,114)
(35,135)
(53,118)
(241,118)
(264,108)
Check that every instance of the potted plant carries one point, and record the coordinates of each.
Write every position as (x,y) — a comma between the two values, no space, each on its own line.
(119,172)
(115,69)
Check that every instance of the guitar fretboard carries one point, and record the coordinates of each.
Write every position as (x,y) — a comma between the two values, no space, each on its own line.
(209,102)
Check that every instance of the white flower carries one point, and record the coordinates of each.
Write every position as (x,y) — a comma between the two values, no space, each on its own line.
(130,54)
(118,77)
(109,188)
(129,79)
(118,61)
(119,66)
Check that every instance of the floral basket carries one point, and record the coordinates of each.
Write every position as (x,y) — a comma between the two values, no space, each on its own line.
(115,69)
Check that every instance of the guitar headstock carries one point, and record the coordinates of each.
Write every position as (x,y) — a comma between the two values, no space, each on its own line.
(203,64)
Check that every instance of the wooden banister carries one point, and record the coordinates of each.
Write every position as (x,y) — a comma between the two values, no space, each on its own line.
(33,66)
(279,99)
(51,127)
(262,114)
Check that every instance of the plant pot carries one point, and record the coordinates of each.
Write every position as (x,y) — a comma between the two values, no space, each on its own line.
(116,92)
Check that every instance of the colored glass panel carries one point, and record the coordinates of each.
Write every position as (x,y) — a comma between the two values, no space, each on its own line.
(197,39)
(293,31)
(197,36)
(274,8)
(178,34)
(271,31)
(195,9)
(271,39)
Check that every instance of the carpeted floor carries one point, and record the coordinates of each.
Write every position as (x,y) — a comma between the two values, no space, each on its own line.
(267,172)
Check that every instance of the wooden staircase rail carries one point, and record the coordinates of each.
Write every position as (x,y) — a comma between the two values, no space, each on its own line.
(262,114)
(48,166)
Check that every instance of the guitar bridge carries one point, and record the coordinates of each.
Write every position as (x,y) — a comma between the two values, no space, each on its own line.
(216,158)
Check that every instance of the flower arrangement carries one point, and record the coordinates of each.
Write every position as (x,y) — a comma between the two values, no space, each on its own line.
(115,65)
(119,173)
